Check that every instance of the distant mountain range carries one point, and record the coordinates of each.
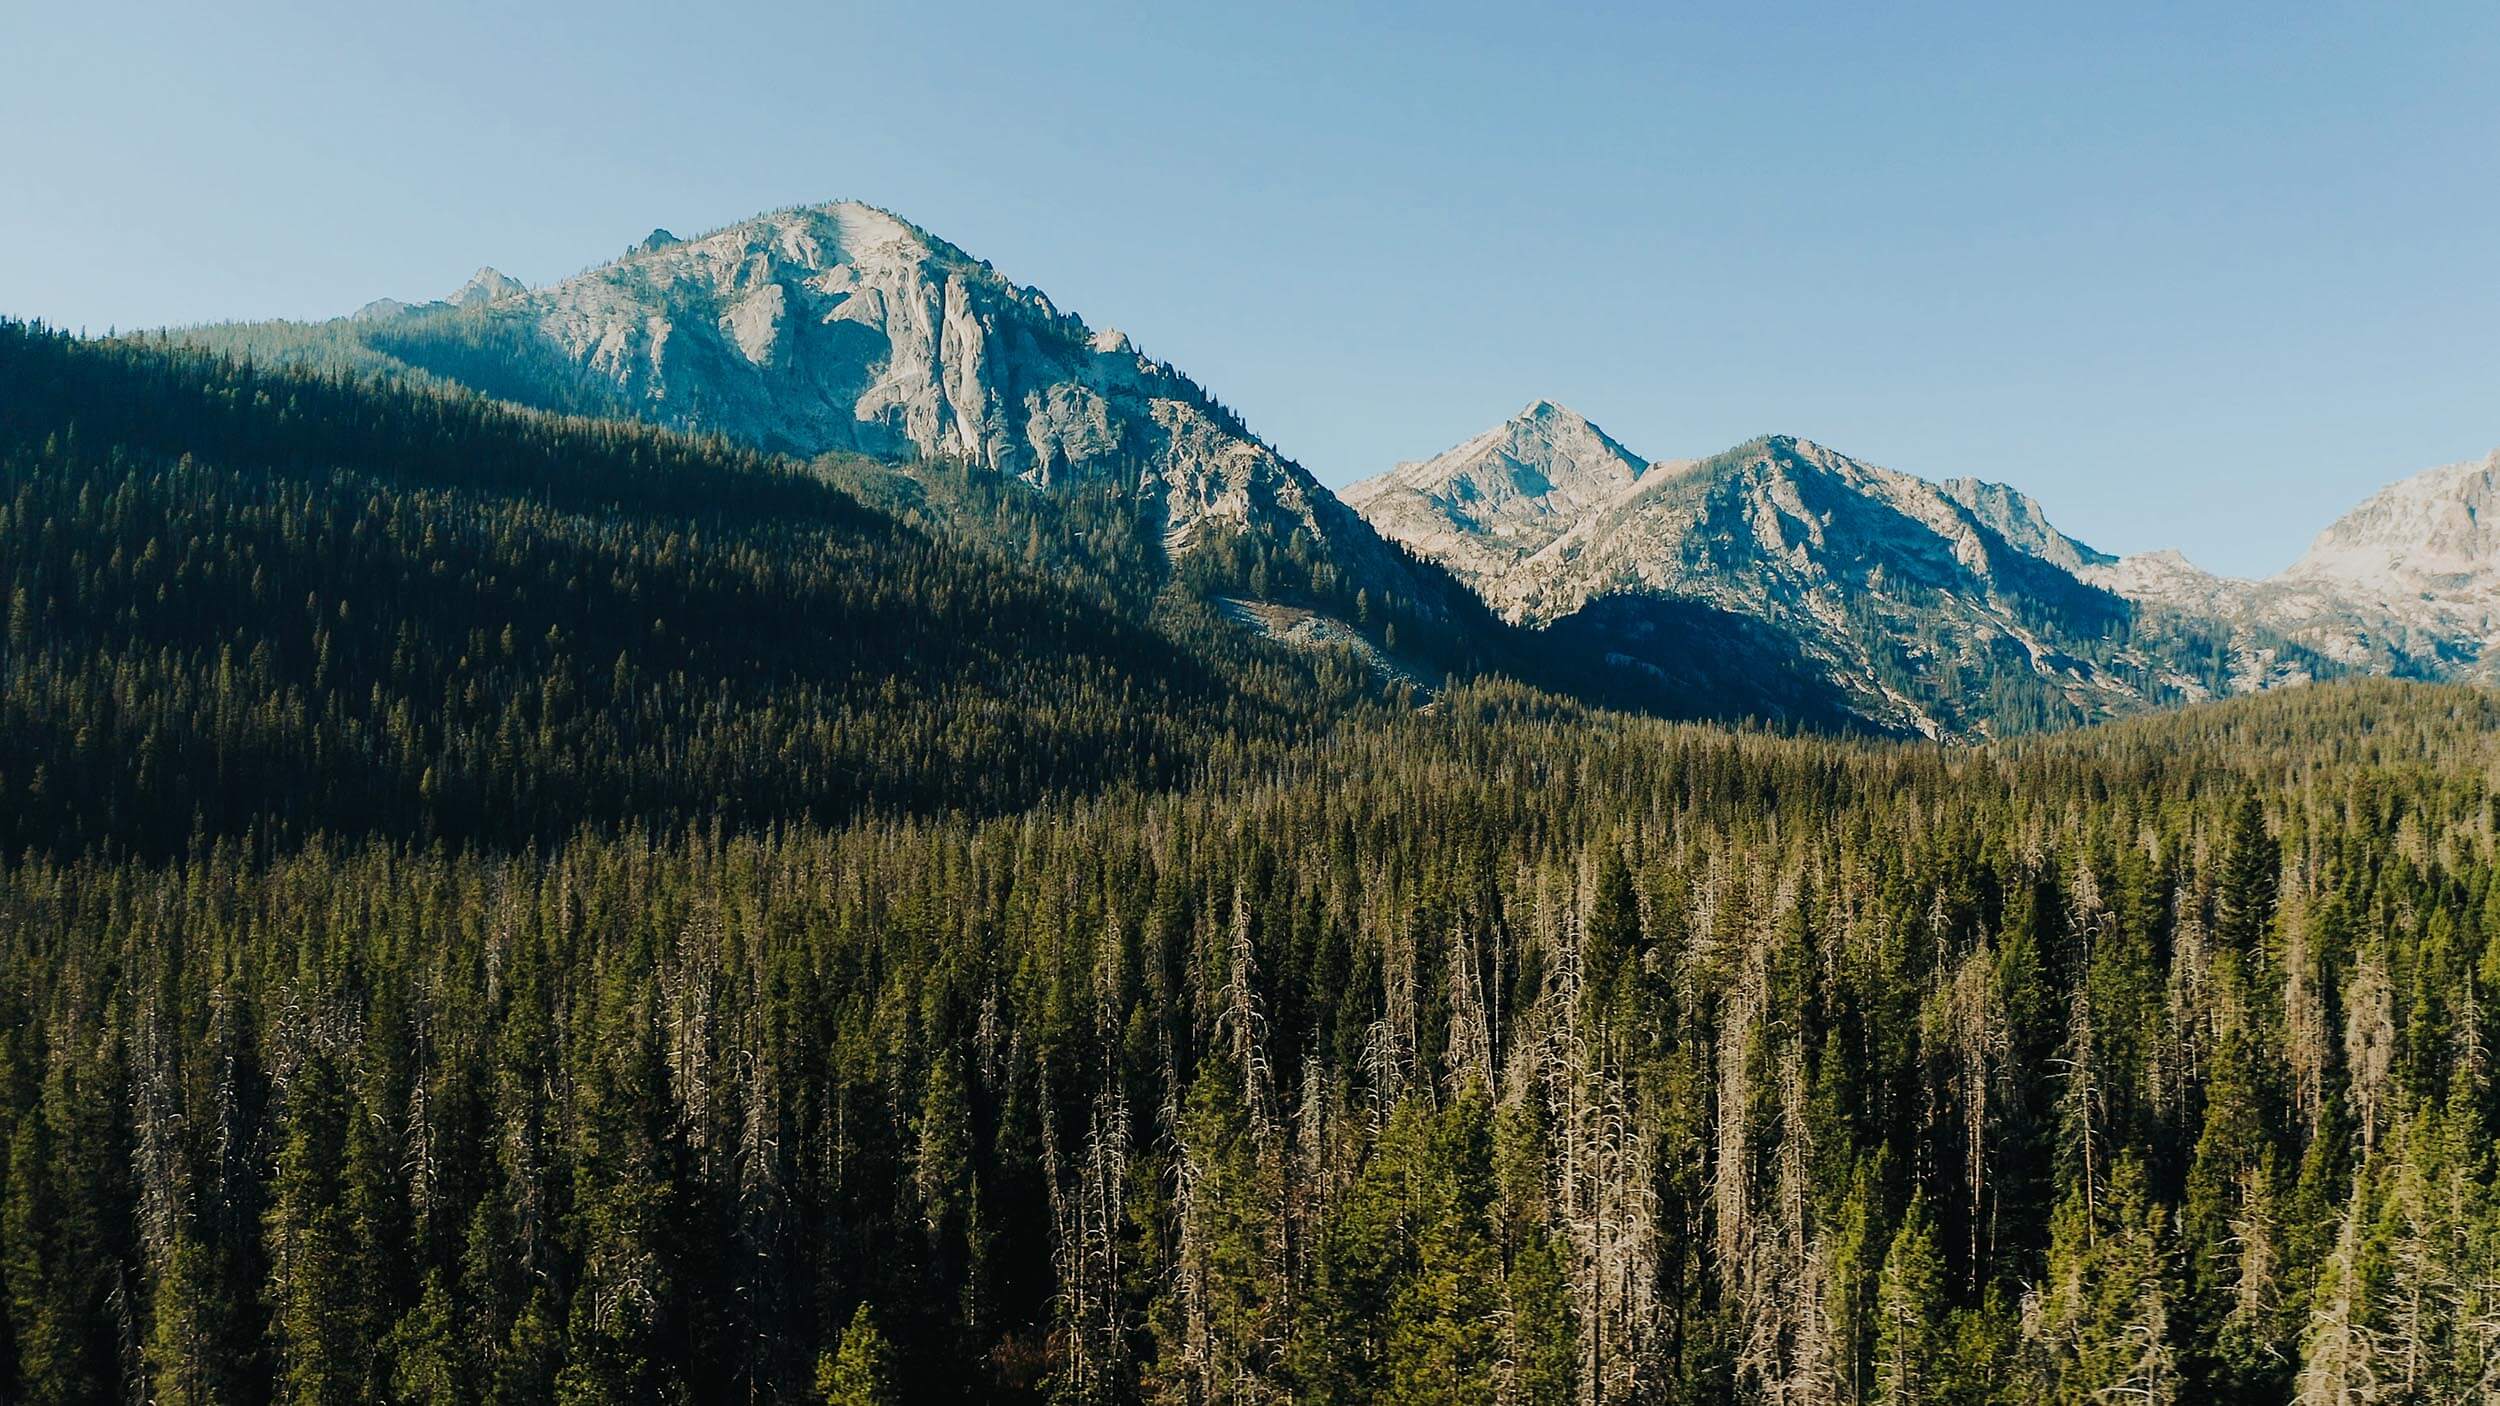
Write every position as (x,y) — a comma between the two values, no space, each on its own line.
(1945,609)
(1926,604)
(1779,580)
(2408,583)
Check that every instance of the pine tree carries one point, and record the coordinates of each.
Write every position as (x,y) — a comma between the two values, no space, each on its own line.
(623,1165)
(1439,1338)
(2099,1327)
(314,1299)
(182,1350)
(52,1298)
(1537,1297)
(2232,1232)
(1909,1314)
(432,1359)
(859,1370)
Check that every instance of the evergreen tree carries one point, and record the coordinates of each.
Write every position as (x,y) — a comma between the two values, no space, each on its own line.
(2099,1328)
(860,1370)
(1910,1315)
(315,1319)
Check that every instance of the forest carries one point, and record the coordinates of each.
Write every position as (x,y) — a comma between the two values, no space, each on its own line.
(498,908)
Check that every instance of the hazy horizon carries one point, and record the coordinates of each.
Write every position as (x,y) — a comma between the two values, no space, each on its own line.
(2197,282)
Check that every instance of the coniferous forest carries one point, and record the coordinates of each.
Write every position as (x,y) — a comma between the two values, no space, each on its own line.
(501,908)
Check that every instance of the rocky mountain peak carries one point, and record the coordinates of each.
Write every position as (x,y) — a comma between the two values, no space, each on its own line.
(1852,589)
(487,285)
(2013,515)
(843,328)
(2437,531)
(2408,582)
(1503,495)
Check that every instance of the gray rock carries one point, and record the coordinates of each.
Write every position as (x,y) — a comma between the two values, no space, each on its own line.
(841,327)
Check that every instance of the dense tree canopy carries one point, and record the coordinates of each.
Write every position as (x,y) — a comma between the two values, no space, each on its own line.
(649,929)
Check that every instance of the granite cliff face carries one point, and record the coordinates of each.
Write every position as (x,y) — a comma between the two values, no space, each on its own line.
(843,327)
(1917,603)
(2434,534)
(1485,505)
(487,286)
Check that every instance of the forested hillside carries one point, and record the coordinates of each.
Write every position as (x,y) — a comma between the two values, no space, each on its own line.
(275,604)
(503,909)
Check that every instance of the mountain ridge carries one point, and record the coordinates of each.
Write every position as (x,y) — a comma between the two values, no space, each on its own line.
(1907,599)
(843,328)
(1521,479)
(2406,582)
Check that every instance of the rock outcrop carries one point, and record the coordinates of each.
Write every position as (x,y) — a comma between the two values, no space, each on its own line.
(487,286)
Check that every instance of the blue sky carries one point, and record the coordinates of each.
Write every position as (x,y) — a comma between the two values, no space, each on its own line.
(2192,275)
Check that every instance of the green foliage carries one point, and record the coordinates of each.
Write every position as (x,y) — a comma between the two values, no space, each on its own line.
(1016,1077)
(395,1006)
(860,1369)
(1910,1312)
(282,604)
(314,1294)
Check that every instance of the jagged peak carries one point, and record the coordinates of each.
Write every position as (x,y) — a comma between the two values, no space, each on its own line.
(852,227)
(486,286)
(751,330)
(1762,446)
(1542,409)
(823,233)
(2018,518)
(1776,445)
(1505,492)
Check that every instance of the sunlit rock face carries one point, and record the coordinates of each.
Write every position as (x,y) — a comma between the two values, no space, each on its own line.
(841,327)
(1903,602)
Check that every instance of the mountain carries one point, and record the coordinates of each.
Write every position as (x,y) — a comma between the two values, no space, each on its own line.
(842,329)
(486,286)
(2019,520)
(1781,580)
(2433,534)
(499,906)
(1481,507)
(2406,583)
(1785,579)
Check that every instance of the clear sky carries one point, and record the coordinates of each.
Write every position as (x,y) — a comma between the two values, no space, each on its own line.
(2197,275)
